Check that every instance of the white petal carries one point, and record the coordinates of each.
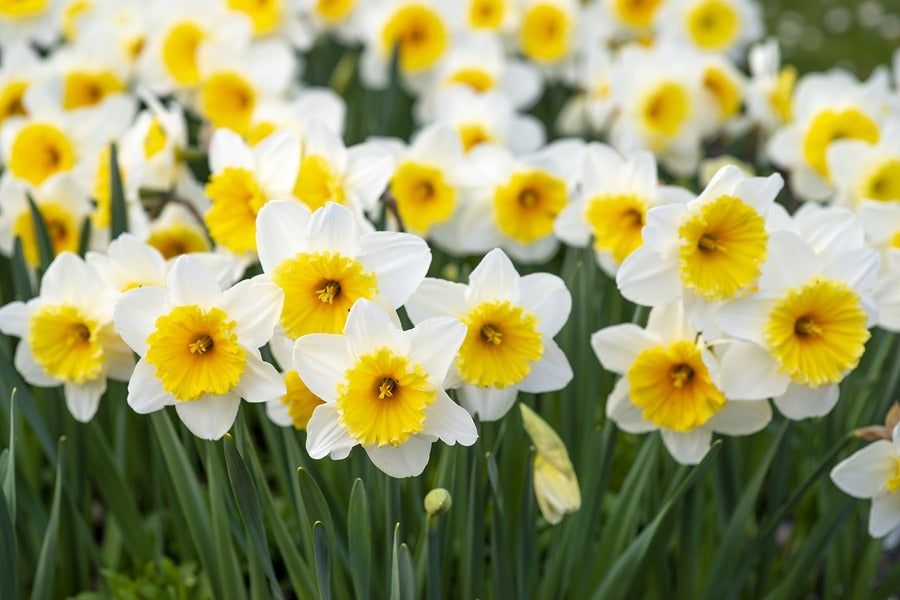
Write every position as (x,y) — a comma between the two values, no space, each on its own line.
(617,346)
(30,370)
(647,278)
(323,433)
(741,418)
(434,343)
(227,149)
(748,372)
(669,321)
(370,327)
(259,381)
(552,372)
(119,356)
(400,262)
(333,228)
(687,448)
(449,421)
(885,514)
(189,282)
(135,314)
(321,359)
(495,278)
(255,306)
(14,319)
(278,159)
(70,279)
(210,417)
(858,268)
(145,390)
(406,460)
(490,404)
(791,262)
(83,400)
(864,473)
(437,297)
(746,318)
(623,411)
(800,401)
(570,226)
(546,296)
(277,411)
(279,232)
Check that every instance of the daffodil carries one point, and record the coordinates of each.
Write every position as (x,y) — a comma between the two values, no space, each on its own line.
(668,384)
(321,105)
(510,323)
(808,323)
(720,26)
(864,171)
(20,69)
(874,472)
(382,389)
(67,335)
(24,22)
(129,263)
(555,482)
(88,73)
(324,264)
(707,251)
(770,90)
(159,133)
(199,346)
(547,32)
(611,208)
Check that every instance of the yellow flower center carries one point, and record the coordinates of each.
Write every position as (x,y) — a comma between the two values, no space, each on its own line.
(883,182)
(22,9)
(72,15)
(477,79)
(723,246)
(265,14)
(637,13)
(11,97)
(39,151)
(177,239)
(546,33)
(665,109)
(299,400)
(420,34)
(781,96)
(724,89)
(61,225)
(155,139)
(86,88)
(831,125)
(317,183)
(713,25)
(66,343)
(527,206)
(195,352)
(617,221)
(382,399)
(472,134)
(319,289)
(179,52)
(228,101)
(501,342)
(486,14)
(333,11)
(423,196)
(671,385)
(893,484)
(236,198)
(817,332)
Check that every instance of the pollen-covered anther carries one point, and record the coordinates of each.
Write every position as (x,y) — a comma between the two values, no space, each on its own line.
(328,293)
(490,335)
(707,243)
(201,345)
(386,388)
(681,375)
(807,327)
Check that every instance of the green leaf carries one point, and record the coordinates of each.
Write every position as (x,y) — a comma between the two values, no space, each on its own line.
(248,505)
(20,276)
(323,561)
(44,574)
(9,557)
(118,214)
(359,533)
(407,574)
(9,478)
(41,235)
(395,566)
(502,578)
(84,239)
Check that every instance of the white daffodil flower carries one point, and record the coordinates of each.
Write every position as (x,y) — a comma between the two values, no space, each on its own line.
(373,361)
(510,322)
(199,346)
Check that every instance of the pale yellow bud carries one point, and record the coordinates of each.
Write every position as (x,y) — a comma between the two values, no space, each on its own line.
(438,501)
(555,482)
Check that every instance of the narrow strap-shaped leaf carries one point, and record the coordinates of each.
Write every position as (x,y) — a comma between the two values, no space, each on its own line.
(395,565)
(9,557)
(248,505)
(323,561)
(504,586)
(84,239)
(118,215)
(359,536)
(473,564)
(20,277)
(9,478)
(407,574)
(225,530)
(41,234)
(43,576)
(11,377)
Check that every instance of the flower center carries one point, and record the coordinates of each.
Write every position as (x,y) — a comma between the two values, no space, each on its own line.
(831,125)
(637,13)
(11,99)
(317,183)
(66,343)
(486,14)
(177,239)
(83,88)
(61,225)
(817,332)
(724,89)
(713,25)
(386,388)
(236,198)
(672,386)
(300,401)
(477,79)
(179,52)
(264,14)
(501,342)
(39,151)
(228,101)
(527,205)
(723,246)
(545,33)
(424,198)
(201,345)
(472,134)
(419,32)
(319,289)
(883,182)
(333,11)
(616,221)
(665,109)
